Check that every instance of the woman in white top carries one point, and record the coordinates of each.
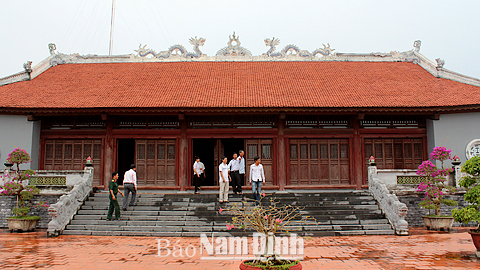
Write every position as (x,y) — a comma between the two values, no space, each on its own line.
(257,178)
(223,180)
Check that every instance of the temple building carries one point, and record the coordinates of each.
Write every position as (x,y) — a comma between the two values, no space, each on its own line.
(313,117)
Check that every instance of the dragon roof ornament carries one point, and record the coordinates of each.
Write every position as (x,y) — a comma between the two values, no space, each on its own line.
(292,50)
(177,50)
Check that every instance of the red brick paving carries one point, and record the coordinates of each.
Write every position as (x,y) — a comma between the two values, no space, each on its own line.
(421,250)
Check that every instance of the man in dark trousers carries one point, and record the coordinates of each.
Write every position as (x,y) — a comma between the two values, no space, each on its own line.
(130,185)
(113,190)
(234,166)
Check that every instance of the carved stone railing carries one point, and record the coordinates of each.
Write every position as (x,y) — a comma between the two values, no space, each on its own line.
(67,206)
(394,210)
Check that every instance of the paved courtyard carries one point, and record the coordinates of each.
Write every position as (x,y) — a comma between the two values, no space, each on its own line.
(421,250)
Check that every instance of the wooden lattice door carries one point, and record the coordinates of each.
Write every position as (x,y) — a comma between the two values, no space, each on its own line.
(395,153)
(155,160)
(319,162)
(218,154)
(71,155)
(262,148)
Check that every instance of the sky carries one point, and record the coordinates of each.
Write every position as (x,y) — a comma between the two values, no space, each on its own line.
(447,29)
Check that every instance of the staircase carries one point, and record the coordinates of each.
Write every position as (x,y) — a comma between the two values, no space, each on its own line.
(337,213)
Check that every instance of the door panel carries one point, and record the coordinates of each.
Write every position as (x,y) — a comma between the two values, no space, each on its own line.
(262,148)
(71,155)
(319,162)
(155,160)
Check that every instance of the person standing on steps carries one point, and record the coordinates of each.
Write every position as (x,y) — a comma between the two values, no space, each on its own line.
(197,174)
(223,179)
(130,185)
(241,170)
(234,166)
(257,178)
(113,190)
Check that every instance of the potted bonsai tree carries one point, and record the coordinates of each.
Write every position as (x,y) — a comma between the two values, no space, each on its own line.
(24,194)
(434,187)
(472,196)
(266,220)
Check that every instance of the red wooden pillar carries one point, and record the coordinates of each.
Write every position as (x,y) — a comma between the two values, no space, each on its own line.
(108,156)
(183,154)
(357,153)
(282,160)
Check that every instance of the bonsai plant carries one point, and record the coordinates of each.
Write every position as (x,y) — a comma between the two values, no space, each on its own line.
(434,187)
(472,196)
(266,220)
(21,220)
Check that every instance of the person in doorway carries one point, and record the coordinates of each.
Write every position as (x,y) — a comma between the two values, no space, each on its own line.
(241,170)
(223,179)
(197,172)
(113,190)
(234,166)
(202,176)
(130,185)
(257,178)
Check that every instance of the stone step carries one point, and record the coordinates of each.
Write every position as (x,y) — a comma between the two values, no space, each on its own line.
(182,234)
(214,213)
(336,213)
(211,207)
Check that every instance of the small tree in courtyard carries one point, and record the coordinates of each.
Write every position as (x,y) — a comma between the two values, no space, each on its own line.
(472,196)
(435,186)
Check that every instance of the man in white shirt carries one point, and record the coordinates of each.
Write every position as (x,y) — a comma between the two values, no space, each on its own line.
(235,175)
(257,178)
(130,185)
(202,176)
(197,172)
(241,171)
(223,179)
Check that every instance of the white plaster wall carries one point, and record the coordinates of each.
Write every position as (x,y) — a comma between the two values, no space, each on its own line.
(16,131)
(456,131)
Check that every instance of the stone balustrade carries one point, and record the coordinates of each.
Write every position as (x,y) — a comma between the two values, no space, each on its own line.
(394,210)
(67,206)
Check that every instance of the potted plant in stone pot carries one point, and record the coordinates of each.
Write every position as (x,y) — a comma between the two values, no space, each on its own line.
(24,194)
(471,212)
(267,220)
(435,188)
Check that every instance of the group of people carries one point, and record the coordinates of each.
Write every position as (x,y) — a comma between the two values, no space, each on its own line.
(233,172)
(129,186)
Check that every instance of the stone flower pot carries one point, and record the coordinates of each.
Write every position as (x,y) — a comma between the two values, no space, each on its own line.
(437,223)
(243,266)
(22,224)
(476,241)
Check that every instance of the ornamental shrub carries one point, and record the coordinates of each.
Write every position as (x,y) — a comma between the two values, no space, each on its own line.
(15,187)
(435,185)
(472,196)
(19,156)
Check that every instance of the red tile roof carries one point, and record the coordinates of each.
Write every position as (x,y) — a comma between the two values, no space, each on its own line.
(237,84)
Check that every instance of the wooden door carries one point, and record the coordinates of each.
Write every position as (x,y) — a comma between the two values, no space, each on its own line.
(319,162)
(262,148)
(72,154)
(395,153)
(218,153)
(155,160)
